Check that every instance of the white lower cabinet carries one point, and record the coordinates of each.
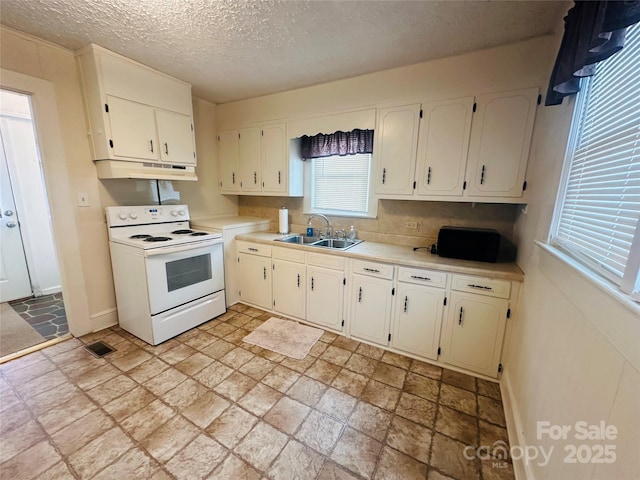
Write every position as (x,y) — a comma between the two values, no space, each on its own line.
(289,288)
(472,338)
(417,318)
(255,280)
(370,308)
(325,292)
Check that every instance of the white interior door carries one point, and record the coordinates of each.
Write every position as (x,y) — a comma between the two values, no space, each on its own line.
(14,275)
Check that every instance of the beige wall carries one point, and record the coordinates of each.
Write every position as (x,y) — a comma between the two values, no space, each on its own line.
(572,351)
(34,57)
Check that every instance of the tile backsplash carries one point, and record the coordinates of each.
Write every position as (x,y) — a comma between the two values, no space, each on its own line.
(393,215)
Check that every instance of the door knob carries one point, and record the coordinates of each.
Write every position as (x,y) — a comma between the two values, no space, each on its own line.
(11,224)
(8,213)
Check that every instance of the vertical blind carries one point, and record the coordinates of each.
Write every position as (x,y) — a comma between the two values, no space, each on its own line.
(601,207)
(341,183)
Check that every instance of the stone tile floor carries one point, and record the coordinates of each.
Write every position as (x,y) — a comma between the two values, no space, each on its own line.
(207,405)
(46,314)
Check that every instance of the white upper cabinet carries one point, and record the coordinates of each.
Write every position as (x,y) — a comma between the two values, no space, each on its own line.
(133,131)
(249,159)
(136,113)
(228,157)
(273,153)
(468,149)
(500,141)
(443,147)
(396,138)
(175,134)
(258,161)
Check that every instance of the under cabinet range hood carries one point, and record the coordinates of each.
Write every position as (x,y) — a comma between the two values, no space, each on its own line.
(144,170)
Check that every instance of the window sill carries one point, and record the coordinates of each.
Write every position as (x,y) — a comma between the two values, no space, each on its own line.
(600,283)
(341,214)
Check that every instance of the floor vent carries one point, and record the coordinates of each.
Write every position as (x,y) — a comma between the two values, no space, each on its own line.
(99,349)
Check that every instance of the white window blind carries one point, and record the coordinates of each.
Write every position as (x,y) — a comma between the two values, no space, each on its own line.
(600,208)
(340,184)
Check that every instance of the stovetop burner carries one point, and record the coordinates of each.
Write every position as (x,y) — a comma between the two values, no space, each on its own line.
(198,234)
(142,235)
(181,232)
(157,239)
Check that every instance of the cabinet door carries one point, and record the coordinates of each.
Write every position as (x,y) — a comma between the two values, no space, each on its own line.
(443,146)
(325,292)
(395,150)
(133,130)
(228,158)
(500,140)
(417,318)
(175,134)
(274,159)
(370,308)
(474,332)
(289,288)
(255,280)
(249,159)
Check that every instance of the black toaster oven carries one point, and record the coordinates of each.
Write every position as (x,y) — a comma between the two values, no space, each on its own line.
(479,244)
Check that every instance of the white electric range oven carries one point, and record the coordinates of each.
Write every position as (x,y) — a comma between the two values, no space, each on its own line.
(168,278)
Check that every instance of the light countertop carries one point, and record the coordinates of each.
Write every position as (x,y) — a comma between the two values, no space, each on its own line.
(227,221)
(401,255)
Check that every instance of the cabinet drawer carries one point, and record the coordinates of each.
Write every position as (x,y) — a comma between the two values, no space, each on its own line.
(373,269)
(253,248)
(420,276)
(327,261)
(483,286)
(289,254)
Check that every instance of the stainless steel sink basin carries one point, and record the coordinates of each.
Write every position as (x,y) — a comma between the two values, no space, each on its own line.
(336,243)
(298,238)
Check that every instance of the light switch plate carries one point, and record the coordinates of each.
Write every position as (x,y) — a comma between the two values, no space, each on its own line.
(83,199)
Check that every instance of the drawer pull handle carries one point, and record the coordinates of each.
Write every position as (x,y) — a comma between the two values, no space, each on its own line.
(298,280)
(482,175)
(312,284)
(372,270)
(384,175)
(255,178)
(166,148)
(406,304)
(429,176)
(151,145)
(233,178)
(481,287)
(265,272)
(251,249)
(360,295)
(418,277)
(460,319)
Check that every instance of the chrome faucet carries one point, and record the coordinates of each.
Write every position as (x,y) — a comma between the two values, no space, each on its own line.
(326,221)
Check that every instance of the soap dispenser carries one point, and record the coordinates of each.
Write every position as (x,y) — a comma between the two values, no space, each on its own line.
(352,233)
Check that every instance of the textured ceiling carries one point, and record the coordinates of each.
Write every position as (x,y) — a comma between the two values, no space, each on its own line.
(230,50)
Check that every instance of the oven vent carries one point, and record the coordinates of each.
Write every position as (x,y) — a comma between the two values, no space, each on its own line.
(99,349)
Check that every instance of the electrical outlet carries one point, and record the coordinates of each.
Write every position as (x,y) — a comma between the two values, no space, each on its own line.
(83,199)
(413,225)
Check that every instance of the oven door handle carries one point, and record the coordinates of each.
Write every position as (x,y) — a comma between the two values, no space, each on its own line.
(182,248)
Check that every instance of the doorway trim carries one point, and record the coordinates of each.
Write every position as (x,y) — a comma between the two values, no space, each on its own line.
(49,139)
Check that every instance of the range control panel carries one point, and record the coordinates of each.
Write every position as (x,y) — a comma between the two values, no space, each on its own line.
(145,215)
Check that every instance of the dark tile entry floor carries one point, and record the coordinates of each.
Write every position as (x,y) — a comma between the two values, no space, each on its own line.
(45,314)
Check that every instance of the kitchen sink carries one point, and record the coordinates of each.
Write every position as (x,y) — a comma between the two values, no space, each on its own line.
(336,243)
(333,243)
(299,239)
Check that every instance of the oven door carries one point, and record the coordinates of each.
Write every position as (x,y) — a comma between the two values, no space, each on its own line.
(181,274)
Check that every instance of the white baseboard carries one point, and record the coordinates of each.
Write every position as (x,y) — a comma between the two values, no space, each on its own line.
(105,319)
(521,470)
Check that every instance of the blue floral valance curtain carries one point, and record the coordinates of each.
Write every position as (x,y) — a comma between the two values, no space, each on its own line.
(338,143)
(593,31)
